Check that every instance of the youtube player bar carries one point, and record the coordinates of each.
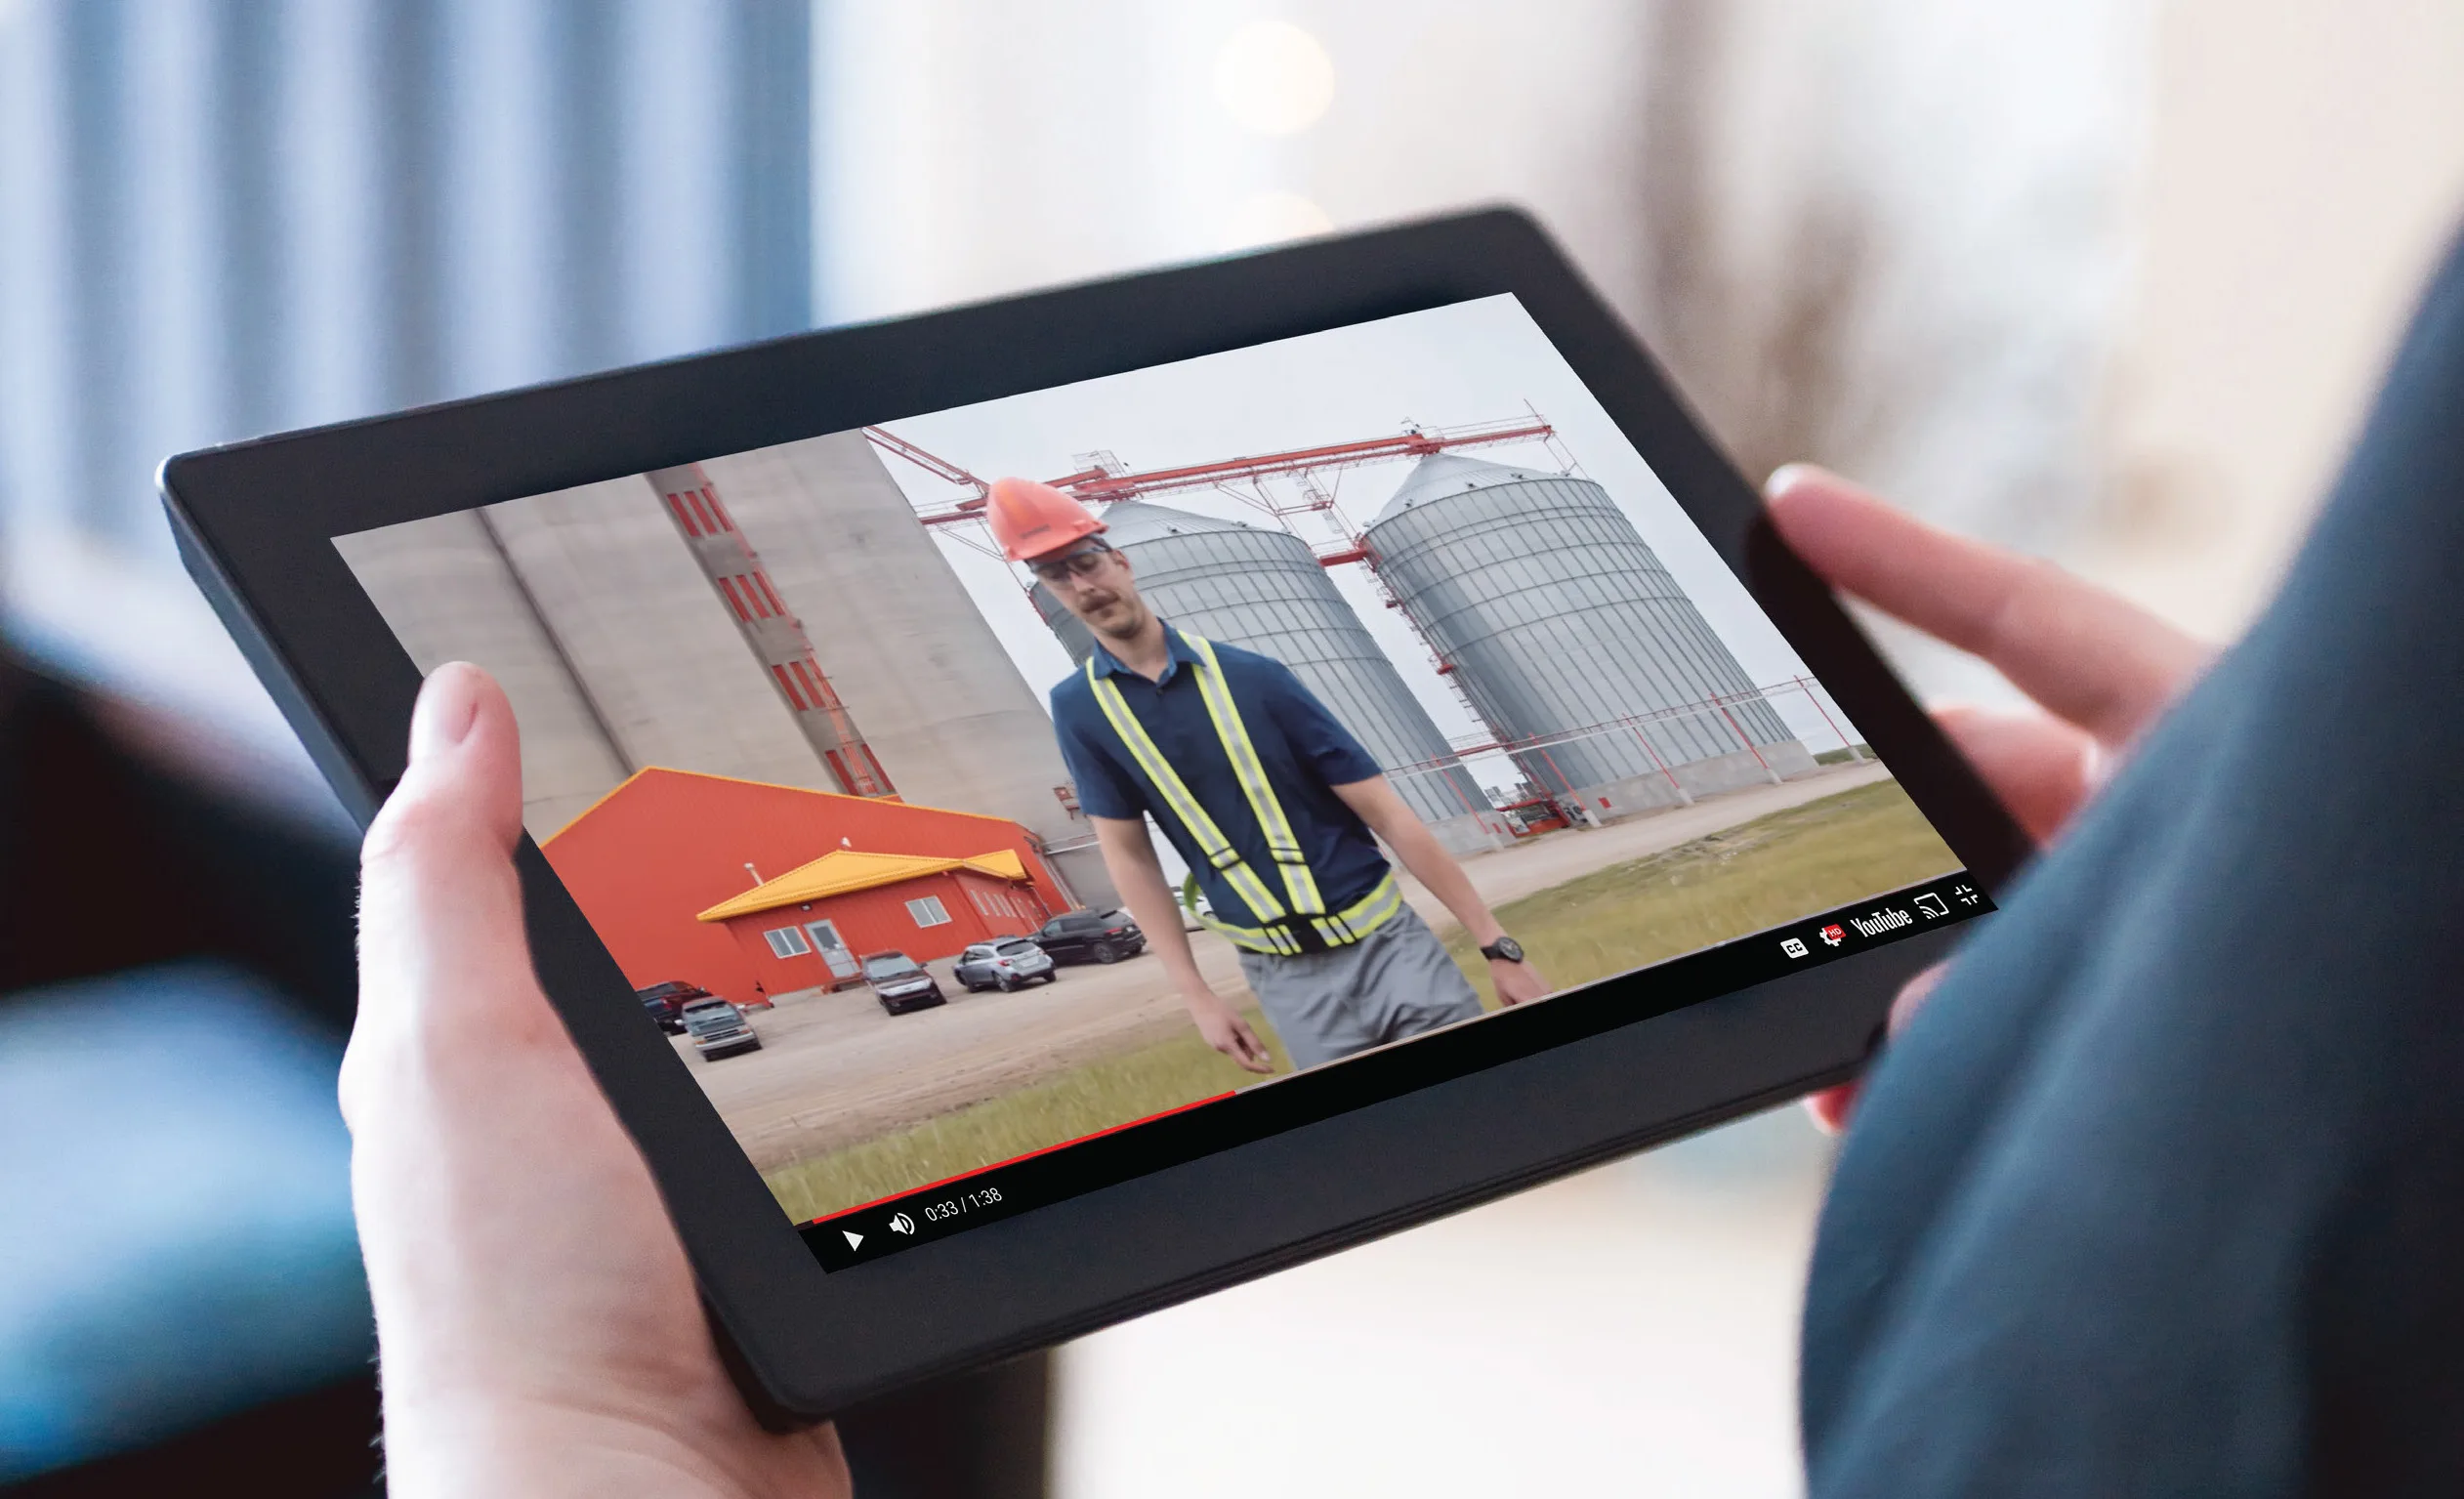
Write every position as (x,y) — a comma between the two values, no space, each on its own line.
(864,1234)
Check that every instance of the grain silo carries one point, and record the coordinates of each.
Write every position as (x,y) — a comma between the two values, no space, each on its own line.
(1572,639)
(1265,591)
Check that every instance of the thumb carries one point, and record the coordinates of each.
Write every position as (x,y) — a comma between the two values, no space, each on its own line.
(442,945)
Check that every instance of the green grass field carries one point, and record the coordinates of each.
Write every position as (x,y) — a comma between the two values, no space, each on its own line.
(1097,1096)
(1756,875)
(1753,876)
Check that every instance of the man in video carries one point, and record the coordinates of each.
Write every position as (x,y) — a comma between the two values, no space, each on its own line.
(1271,801)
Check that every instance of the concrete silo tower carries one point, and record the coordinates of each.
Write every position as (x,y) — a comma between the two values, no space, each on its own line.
(1265,591)
(1563,627)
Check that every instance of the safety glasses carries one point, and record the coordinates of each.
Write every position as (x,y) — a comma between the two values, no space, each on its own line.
(1078,565)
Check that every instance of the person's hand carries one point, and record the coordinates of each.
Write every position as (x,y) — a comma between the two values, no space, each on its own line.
(536,1320)
(1517,982)
(2099,668)
(1225,1031)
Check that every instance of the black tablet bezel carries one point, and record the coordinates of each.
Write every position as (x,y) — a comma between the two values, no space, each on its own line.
(255,522)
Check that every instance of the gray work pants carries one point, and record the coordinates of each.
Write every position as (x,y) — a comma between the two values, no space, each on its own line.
(1397,982)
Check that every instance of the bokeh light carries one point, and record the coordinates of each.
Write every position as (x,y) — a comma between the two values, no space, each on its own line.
(1274,78)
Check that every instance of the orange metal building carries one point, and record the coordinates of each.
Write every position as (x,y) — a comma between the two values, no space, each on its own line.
(809,925)
(647,860)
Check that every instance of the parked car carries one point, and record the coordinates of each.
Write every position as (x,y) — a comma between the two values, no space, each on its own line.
(719,1029)
(1090,936)
(901,983)
(665,1003)
(1004,965)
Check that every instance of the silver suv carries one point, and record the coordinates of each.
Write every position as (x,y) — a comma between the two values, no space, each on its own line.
(719,1029)
(1003,964)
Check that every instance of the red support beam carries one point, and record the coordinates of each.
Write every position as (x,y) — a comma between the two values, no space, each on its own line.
(1099,487)
(1335,455)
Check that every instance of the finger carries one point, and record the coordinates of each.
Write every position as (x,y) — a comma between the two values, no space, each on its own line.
(2089,656)
(442,949)
(1914,993)
(2039,766)
(1253,1052)
(1832,1107)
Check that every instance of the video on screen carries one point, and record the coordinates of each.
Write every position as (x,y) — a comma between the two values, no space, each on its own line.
(956,788)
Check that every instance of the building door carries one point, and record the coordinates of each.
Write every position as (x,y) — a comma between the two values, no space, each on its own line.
(825,941)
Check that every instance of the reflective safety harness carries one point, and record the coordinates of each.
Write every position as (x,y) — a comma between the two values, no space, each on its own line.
(1299,922)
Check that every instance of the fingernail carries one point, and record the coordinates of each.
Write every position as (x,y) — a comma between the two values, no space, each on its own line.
(1786,477)
(448,705)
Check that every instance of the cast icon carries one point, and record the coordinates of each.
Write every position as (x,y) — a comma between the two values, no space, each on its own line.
(1931,906)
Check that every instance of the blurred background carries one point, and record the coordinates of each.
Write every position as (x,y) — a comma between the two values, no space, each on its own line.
(2109,280)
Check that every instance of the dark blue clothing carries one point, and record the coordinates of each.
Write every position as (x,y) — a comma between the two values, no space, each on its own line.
(1304,751)
(2164,1191)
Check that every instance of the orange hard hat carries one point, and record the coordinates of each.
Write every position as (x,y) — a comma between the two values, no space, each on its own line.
(1029,519)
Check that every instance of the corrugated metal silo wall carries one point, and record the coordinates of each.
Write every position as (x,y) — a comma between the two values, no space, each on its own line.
(1559,619)
(1265,591)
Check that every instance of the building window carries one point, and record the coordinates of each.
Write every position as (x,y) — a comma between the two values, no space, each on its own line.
(786,942)
(929,911)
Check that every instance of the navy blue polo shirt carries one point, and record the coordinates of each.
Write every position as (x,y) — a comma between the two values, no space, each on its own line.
(1305,752)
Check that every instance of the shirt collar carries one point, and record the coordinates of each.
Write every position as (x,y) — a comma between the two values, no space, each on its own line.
(1182,653)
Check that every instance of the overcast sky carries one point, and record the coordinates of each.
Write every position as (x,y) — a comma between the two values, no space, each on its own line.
(1472,363)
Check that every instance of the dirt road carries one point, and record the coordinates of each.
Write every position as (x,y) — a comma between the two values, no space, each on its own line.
(834,1070)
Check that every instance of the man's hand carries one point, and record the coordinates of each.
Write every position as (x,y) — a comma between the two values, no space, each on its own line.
(537,1321)
(1517,982)
(1225,1031)
(1378,804)
(2099,668)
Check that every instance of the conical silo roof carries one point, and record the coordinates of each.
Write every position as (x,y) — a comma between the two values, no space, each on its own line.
(1442,473)
(1132,521)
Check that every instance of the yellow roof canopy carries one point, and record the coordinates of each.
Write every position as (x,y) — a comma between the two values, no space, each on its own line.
(844,871)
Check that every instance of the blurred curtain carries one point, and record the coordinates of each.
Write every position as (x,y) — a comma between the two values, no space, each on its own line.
(225,218)
(229,217)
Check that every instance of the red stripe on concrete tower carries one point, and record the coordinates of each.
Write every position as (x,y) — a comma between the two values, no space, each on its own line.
(776,638)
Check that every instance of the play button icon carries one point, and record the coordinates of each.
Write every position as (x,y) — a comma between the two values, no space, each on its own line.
(853,1238)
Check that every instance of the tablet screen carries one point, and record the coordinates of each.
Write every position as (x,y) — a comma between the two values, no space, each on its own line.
(860,805)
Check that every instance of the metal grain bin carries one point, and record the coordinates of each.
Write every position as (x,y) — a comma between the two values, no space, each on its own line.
(1265,591)
(1572,639)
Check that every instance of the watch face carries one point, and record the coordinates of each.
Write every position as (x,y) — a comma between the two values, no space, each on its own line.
(1506,947)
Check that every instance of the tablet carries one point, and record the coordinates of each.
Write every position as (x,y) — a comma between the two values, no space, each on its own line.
(825,793)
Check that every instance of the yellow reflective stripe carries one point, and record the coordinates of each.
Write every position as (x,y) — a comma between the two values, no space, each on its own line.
(1210,839)
(1250,771)
(1338,929)
(1365,915)
(1342,929)
(1271,940)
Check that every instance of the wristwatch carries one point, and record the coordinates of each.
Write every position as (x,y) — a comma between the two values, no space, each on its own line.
(1504,950)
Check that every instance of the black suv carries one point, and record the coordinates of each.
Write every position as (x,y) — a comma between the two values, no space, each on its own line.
(665,1003)
(1090,936)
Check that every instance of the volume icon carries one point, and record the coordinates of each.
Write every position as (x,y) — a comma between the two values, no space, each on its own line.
(903,1224)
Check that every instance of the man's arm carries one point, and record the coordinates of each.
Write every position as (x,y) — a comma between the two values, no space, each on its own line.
(1128,856)
(1377,804)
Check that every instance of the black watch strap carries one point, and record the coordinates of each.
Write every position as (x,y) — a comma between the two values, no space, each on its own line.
(1505,950)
